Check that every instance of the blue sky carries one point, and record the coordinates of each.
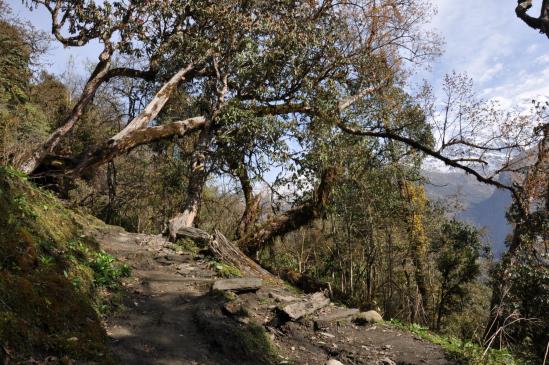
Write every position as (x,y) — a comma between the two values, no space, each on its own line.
(505,58)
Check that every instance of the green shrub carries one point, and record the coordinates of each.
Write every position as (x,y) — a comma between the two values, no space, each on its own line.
(107,272)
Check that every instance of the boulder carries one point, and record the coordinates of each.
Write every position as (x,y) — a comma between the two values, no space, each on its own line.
(333,362)
(282,298)
(300,309)
(363,318)
(335,316)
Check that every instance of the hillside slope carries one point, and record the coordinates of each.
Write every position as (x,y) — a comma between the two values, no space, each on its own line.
(50,278)
(482,205)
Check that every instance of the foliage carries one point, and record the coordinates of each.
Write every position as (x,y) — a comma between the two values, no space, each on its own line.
(23,121)
(464,352)
(106,272)
(457,257)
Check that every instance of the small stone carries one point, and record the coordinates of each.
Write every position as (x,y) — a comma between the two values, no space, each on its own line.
(363,318)
(333,362)
(386,361)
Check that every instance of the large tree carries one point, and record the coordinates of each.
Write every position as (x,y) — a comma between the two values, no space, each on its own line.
(284,70)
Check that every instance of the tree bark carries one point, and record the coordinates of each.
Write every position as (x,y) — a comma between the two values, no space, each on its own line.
(136,132)
(197,180)
(251,209)
(96,79)
(418,241)
(541,23)
(227,252)
(292,219)
(137,137)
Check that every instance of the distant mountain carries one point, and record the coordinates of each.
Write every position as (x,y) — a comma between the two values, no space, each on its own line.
(482,205)
(464,188)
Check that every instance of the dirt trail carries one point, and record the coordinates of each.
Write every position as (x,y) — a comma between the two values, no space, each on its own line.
(167,289)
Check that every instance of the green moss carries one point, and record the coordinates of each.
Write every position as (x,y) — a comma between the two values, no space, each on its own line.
(49,276)
(234,342)
(225,270)
(186,245)
(255,340)
(463,352)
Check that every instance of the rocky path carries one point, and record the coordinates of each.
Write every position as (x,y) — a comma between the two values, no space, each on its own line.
(157,327)
(171,318)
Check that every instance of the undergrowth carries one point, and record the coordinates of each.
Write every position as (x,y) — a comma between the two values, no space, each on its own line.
(51,277)
(463,352)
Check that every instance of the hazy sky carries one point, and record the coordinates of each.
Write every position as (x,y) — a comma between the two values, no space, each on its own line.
(484,38)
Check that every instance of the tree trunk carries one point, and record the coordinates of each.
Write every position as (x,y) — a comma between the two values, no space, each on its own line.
(419,242)
(227,252)
(134,134)
(96,79)
(125,143)
(197,180)
(251,210)
(292,219)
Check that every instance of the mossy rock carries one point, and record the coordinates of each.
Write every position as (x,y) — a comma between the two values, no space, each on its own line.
(234,342)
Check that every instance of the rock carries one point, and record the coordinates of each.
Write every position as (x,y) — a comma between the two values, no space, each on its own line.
(333,362)
(281,298)
(337,315)
(386,361)
(363,318)
(238,284)
(234,309)
(194,234)
(299,309)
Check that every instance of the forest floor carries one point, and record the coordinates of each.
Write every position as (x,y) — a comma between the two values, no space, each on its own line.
(171,317)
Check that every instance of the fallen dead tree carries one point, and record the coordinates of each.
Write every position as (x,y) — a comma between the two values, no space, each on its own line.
(224,250)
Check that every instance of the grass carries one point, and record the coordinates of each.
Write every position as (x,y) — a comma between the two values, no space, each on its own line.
(463,352)
(54,283)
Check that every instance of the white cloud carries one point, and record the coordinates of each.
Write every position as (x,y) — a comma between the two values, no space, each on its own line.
(506,59)
(491,72)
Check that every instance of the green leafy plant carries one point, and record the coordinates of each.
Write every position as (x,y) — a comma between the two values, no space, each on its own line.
(107,272)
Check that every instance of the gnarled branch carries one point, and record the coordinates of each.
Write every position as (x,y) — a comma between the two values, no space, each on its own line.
(541,23)
(292,219)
